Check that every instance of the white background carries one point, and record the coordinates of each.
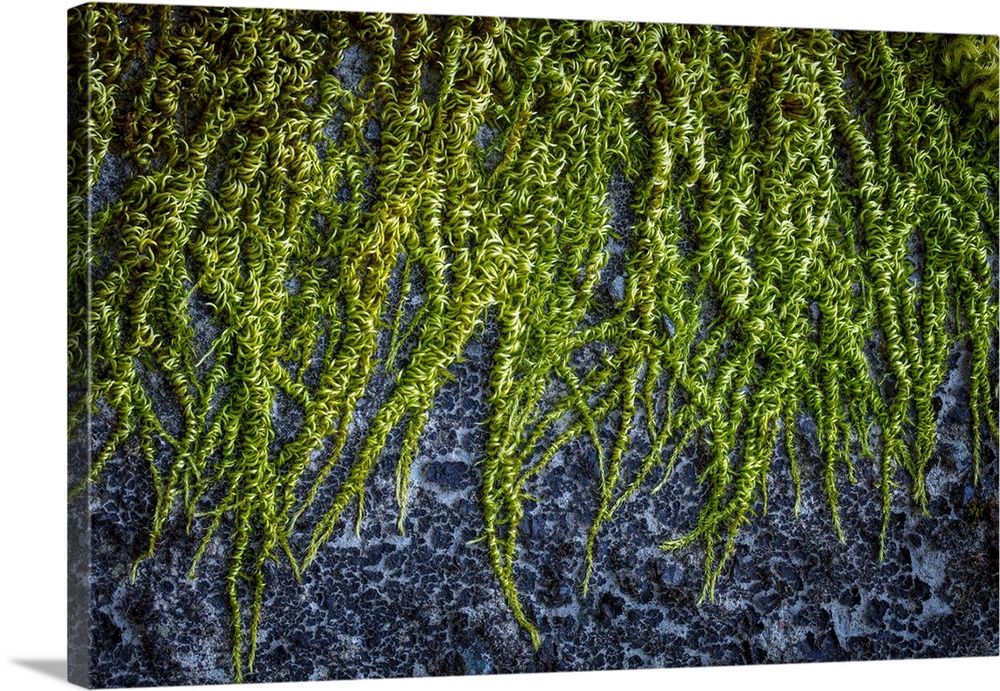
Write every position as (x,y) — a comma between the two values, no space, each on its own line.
(33,338)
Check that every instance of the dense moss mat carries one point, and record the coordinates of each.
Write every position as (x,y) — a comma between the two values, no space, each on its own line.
(276,204)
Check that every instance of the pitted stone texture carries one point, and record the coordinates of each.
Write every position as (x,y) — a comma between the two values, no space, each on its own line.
(382,604)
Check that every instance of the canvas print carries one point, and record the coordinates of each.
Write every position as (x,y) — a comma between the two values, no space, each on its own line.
(407,345)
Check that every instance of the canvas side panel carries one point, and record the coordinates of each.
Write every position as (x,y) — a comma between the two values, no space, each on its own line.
(78,348)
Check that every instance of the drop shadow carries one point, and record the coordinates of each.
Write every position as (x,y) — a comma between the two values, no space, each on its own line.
(49,667)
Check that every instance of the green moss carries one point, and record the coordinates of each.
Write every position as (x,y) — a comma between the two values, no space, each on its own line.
(815,228)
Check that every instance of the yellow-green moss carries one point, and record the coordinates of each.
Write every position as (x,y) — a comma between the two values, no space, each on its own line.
(815,228)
